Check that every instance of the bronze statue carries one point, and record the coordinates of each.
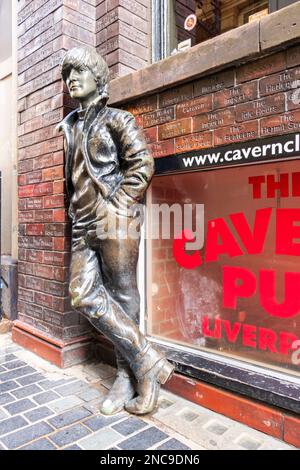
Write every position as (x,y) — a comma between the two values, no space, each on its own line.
(108,168)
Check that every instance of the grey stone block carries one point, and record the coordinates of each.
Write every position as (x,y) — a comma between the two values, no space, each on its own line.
(65,404)
(38,413)
(2,369)
(143,440)
(15,374)
(14,364)
(173,444)
(90,394)
(11,424)
(69,435)
(40,444)
(3,415)
(26,391)
(6,398)
(26,435)
(101,421)
(72,388)
(19,406)
(30,379)
(129,426)
(69,417)
(5,357)
(7,386)
(48,384)
(280,27)
(101,440)
(45,397)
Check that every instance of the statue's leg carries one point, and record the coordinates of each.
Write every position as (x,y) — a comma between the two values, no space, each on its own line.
(90,297)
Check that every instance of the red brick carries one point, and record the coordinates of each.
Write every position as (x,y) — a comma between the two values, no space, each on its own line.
(144,105)
(293,56)
(60,244)
(60,273)
(56,288)
(280,124)
(35,229)
(43,299)
(175,95)
(42,243)
(60,215)
(214,83)
(35,203)
(173,129)
(269,105)
(213,120)
(26,191)
(54,201)
(279,82)
(56,258)
(238,94)
(24,294)
(237,133)
(58,187)
(162,149)
(260,68)
(54,173)
(193,107)
(43,189)
(34,283)
(35,256)
(293,99)
(56,229)
(193,142)
(44,271)
(150,134)
(159,117)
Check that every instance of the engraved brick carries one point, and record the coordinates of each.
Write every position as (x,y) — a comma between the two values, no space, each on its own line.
(25,166)
(26,191)
(34,311)
(43,94)
(41,40)
(34,283)
(238,94)
(34,256)
(193,107)
(159,117)
(47,64)
(44,271)
(55,229)
(144,105)
(54,201)
(56,258)
(128,31)
(293,99)
(213,120)
(134,7)
(78,33)
(133,20)
(173,129)
(107,19)
(24,294)
(53,173)
(176,95)
(44,215)
(26,216)
(35,203)
(82,7)
(76,18)
(48,160)
(43,299)
(280,124)
(269,105)
(42,242)
(42,189)
(193,142)
(237,133)
(35,229)
(280,82)
(33,59)
(214,83)
(150,134)
(56,288)
(35,31)
(53,317)
(162,149)
(260,68)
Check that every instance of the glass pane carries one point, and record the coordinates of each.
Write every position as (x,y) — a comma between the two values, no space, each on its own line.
(243,300)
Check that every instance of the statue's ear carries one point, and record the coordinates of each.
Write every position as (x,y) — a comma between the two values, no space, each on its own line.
(104,92)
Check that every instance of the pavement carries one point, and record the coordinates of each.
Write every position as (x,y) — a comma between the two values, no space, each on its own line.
(43,407)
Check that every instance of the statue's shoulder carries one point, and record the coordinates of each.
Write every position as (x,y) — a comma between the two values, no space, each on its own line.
(67,121)
(119,114)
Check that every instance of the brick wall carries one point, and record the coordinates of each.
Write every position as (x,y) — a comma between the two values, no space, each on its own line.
(241,103)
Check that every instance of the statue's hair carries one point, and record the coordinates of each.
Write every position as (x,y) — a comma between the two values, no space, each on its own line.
(86,57)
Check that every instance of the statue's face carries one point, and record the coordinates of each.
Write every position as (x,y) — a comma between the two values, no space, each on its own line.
(81,83)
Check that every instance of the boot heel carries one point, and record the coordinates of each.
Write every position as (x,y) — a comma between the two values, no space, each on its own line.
(166,372)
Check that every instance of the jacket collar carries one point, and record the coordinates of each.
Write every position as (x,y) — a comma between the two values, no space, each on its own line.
(91,112)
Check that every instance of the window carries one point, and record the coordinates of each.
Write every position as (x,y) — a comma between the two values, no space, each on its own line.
(238,305)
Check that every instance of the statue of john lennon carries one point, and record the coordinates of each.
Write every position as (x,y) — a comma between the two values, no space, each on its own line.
(107,170)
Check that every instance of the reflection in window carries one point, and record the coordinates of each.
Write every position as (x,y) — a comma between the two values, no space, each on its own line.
(240,304)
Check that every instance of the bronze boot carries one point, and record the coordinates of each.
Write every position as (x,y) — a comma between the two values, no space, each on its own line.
(151,370)
(122,390)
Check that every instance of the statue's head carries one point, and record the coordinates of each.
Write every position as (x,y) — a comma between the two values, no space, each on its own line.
(85,73)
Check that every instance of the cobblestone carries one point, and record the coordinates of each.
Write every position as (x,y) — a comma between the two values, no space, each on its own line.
(71,420)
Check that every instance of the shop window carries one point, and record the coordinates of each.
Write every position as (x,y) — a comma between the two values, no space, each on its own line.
(179,24)
(243,300)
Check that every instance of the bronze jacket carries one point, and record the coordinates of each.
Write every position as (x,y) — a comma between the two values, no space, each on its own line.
(115,152)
